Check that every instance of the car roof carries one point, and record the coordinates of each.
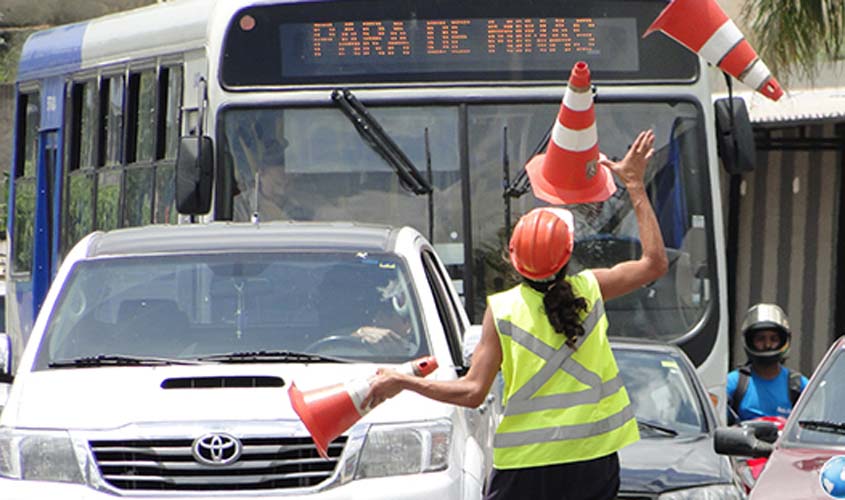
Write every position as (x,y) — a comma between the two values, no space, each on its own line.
(243,237)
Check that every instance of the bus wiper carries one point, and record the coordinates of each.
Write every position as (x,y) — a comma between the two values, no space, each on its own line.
(823,426)
(118,360)
(272,357)
(374,135)
(652,426)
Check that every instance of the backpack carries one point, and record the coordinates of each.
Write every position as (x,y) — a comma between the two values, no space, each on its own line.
(742,386)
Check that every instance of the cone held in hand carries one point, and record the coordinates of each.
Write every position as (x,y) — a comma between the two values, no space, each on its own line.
(569,171)
(328,412)
(703,27)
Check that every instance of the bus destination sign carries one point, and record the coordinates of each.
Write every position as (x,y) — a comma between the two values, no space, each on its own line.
(481,46)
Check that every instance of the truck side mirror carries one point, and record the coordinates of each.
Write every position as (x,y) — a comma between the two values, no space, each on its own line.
(735,136)
(194,171)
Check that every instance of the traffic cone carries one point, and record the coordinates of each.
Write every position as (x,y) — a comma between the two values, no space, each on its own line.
(569,171)
(329,411)
(704,28)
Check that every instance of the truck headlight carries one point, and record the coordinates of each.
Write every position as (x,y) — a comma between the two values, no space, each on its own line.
(715,492)
(408,448)
(38,455)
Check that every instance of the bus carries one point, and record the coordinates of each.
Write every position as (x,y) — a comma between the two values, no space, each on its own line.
(416,112)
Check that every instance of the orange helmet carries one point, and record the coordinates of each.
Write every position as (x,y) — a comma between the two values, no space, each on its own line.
(542,241)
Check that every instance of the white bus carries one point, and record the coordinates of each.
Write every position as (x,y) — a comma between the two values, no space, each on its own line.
(387,111)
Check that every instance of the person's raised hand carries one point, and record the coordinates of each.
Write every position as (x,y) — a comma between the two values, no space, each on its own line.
(631,168)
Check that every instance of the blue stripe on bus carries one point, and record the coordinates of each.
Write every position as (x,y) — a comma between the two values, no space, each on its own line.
(51,52)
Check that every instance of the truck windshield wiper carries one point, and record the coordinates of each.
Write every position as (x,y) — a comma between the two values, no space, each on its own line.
(646,424)
(118,360)
(823,426)
(374,135)
(272,357)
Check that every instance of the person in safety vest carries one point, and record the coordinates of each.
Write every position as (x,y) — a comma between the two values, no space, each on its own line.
(763,387)
(566,411)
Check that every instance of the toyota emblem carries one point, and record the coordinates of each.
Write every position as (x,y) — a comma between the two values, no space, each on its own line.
(216,448)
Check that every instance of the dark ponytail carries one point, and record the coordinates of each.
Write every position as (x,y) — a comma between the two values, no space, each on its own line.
(562,306)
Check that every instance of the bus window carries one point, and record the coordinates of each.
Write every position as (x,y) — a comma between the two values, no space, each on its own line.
(142,88)
(170,104)
(171,85)
(112,112)
(80,140)
(138,188)
(109,179)
(29,119)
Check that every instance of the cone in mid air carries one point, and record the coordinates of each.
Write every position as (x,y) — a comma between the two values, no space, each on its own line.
(569,171)
(704,28)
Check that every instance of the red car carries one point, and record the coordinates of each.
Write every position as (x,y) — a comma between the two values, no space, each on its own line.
(805,462)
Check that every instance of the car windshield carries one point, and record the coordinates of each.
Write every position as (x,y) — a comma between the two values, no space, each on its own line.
(823,405)
(662,393)
(185,307)
(306,163)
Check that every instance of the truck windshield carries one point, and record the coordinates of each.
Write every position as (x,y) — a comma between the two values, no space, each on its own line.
(332,305)
(311,164)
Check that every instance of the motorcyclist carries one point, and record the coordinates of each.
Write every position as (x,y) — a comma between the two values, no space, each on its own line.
(764,387)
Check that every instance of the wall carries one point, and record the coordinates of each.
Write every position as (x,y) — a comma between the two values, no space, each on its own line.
(790,228)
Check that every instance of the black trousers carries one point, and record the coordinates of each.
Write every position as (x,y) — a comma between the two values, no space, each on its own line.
(596,479)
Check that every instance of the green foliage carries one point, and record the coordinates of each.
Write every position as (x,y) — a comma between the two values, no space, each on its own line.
(10,52)
(796,36)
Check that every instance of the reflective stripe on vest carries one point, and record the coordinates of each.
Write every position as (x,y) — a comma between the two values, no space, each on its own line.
(562,404)
(561,359)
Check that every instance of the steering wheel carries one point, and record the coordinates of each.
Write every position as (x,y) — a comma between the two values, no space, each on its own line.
(641,308)
(339,342)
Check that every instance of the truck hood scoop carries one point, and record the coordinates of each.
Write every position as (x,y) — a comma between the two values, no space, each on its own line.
(225,382)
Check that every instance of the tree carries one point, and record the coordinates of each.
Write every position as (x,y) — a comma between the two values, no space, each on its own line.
(797,36)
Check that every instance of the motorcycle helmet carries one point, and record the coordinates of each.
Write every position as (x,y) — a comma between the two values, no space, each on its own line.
(766,317)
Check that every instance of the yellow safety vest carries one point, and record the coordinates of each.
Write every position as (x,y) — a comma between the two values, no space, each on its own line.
(560,405)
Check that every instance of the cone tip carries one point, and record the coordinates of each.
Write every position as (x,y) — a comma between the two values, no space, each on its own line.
(772,89)
(424,366)
(580,75)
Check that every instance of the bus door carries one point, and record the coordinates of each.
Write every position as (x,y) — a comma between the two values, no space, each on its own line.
(33,206)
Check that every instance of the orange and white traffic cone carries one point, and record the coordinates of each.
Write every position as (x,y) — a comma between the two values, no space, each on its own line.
(704,28)
(569,171)
(328,412)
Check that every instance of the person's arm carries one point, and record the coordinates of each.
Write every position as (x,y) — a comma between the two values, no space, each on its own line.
(627,276)
(469,390)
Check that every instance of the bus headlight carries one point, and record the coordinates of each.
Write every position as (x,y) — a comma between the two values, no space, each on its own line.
(408,448)
(38,456)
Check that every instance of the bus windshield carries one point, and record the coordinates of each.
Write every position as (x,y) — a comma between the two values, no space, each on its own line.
(300,163)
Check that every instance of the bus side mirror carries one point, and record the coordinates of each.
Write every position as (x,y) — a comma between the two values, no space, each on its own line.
(194,171)
(735,136)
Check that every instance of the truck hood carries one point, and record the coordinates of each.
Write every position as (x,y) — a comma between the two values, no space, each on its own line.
(110,397)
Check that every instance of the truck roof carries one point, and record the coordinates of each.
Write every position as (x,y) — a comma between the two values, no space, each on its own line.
(238,237)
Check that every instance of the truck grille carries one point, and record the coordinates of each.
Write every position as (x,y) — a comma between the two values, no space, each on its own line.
(168,464)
